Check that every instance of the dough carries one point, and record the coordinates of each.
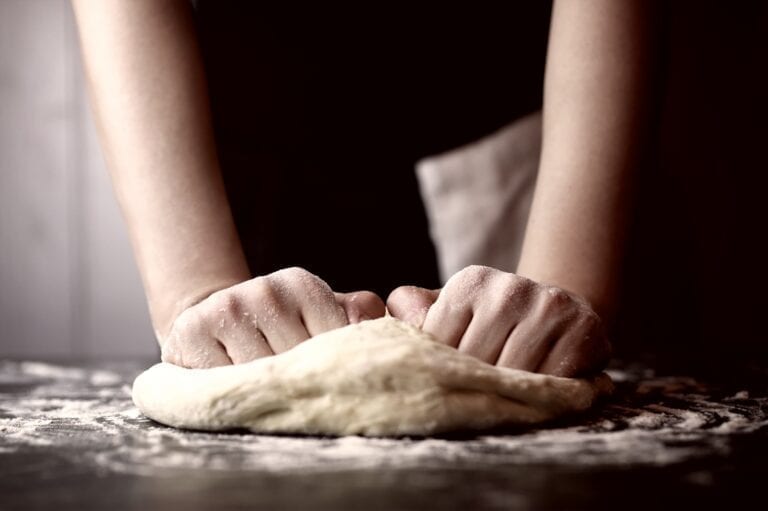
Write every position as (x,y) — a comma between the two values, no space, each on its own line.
(377,378)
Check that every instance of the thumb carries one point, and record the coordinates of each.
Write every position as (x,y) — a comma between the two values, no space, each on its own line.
(411,303)
(361,305)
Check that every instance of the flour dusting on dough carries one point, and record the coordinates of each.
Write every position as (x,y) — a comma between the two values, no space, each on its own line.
(376,378)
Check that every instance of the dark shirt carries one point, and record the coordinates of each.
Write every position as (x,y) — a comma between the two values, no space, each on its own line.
(320,114)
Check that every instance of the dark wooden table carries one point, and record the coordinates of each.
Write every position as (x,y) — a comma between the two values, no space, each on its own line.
(70,438)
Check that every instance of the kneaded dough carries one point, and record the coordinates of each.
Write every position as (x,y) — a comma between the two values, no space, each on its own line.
(376,378)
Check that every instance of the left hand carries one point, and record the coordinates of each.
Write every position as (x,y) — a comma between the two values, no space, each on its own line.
(508,320)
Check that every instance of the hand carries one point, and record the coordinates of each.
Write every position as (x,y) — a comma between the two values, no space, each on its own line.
(262,317)
(508,320)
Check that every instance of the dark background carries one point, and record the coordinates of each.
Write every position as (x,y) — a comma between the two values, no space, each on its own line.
(695,279)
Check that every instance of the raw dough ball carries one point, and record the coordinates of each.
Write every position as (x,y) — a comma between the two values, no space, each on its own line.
(376,378)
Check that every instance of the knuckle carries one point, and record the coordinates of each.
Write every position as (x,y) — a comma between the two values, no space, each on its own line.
(516,282)
(292,273)
(514,290)
(296,279)
(227,303)
(269,301)
(519,282)
(477,272)
(557,302)
(187,321)
(505,305)
(556,297)
(466,283)
(400,294)
(316,286)
(264,291)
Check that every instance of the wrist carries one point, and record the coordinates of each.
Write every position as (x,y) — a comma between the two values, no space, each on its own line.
(166,308)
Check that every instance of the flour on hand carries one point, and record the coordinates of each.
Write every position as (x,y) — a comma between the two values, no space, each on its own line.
(376,378)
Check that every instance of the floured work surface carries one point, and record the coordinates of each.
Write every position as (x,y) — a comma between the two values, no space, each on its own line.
(381,377)
(71,438)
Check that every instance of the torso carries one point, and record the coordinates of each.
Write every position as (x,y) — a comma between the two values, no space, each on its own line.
(320,116)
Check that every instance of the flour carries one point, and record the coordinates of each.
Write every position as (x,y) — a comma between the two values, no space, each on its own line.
(40,370)
(678,420)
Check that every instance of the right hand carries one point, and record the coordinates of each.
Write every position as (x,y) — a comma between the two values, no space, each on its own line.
(261,317)
(509,320)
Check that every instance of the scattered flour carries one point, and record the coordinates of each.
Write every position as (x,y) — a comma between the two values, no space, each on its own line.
(669,421)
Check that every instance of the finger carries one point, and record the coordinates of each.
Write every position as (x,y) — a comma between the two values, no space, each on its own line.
(169,350)
(238,330)
(361,305)
(320,312)
(411,303)
(284,334)
(527,345)
(275,305)
(502,306)
(192,344)
(578,352)
(201,355)
(312,298)
(486,336)
(215,356)
(245,344)
(448,320)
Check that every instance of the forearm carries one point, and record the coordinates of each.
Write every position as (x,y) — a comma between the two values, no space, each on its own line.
(149,97)
(592,118)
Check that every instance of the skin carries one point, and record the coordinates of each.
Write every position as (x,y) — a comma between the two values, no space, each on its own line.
(149,97)
(508,320)
(261,317)
(545,317)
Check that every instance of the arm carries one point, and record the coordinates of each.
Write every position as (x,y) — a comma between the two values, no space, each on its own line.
(151,105)
(592,106)
(543,318)
(149,98)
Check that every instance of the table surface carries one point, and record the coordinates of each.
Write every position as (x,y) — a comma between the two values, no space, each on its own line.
(70,438)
